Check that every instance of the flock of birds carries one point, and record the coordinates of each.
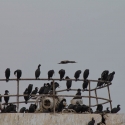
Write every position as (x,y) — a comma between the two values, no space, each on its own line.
(47,88)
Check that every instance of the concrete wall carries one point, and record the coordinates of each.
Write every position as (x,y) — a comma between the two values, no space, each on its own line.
(57,119)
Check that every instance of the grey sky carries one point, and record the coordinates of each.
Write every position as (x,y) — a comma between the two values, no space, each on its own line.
(45,32)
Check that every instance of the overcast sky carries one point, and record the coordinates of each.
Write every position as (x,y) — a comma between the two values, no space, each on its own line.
(45,32)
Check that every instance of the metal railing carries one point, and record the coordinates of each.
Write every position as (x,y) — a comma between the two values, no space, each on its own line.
(53,95)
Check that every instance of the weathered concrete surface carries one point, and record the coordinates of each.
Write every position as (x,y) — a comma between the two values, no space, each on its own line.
(58,119)
(47,119)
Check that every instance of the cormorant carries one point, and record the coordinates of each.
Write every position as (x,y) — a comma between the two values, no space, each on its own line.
(26,97)
(32,108)
(66,61)
(116,109)
(50,74)
(104,75)
(34,92)
(10,108)
(78,93)
(110,76)
(41,90)
(46,88)
(100,84)
(78,107)
(85,85)
(99,108)
(85,108)
(86,74)
(61,105)
(37,72)
(7,74)
(92,122)
(62,73)
(68,83)
(18,73)
(23,109)
(77,74)
(6,99)
(107,110)
(30,87)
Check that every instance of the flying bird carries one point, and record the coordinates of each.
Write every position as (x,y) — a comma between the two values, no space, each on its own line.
(66,61)
(7,74)
(37,72)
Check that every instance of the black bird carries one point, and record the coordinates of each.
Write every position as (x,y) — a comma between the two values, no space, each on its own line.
(78,107)
(50,74)
(92,122)
(85,85)
(41,90)
(18,73)
(30,87)
(0,98)
(68,83)
(107,110)
(77,74)
(99,108)
(85,108)
(100,84)
(62,73)
(71,106)
(115,110)
(110,76)
(7,74)
(61,105)
(32,108)
(26,97)
(86,74)
(6,99)
(10,108)
(66,61)
(34,92)
(104,75)
(23,109)
(37,72)
(46,88)
(79,94)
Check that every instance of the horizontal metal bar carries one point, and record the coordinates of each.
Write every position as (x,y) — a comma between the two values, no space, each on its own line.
(56,79)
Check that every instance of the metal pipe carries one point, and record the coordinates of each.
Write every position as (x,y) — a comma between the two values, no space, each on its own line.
(17,95)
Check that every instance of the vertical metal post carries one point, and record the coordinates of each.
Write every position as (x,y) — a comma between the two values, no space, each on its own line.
(89,96)
(96,97)
(17,95)
(109,96)
(53,97)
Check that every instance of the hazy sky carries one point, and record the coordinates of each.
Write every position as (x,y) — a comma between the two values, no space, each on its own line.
(45,32)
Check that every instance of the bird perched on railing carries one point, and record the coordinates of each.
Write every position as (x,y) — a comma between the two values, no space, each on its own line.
(116,109)
(77,74)
(37,72)
(41,90)
(110,76)
(104,75)
(86,74)
(7,74)
(18,73)
(6,99)
(85,85)
(66,61)
(34,92)
(68,83)
(100,84)
(50,74)
(61,73)
(30,87)
(26,97)
(92,122)
(78,93)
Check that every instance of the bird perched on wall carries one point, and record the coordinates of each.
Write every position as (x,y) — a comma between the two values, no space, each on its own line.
(107,110)
(7,74)
(61,105)
(23,109)
(66,61)
(85,85)
(61,73)
(6,99)
(92,122)
(68,83)
(37,72)
(110,76)
(50,74)
(78,93)
(77,74)
(32,108)
(10,108)
(26,97)
(18,73)
(99,108)
(116,109)
(86,74)
(30,87)
(104,75)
